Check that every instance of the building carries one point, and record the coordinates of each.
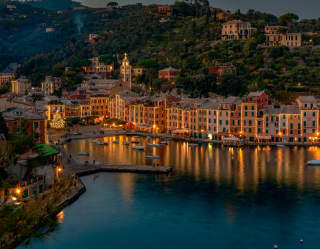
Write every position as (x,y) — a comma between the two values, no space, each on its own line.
(98,67)
(168,73)
(93,37)
(99,105)
(34,123)
(165,10)
(237,30)
(138,71)
(260,98)
(126,71)
(5,78)
(20,86)
(50,85)
(279,36)
(220,69)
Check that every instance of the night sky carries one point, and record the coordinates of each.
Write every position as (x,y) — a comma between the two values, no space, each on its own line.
(304,8)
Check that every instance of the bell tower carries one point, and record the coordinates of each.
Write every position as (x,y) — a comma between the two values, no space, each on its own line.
(126,71)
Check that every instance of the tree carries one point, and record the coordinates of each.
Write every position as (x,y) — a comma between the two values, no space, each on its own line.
(3,127)
(288,18)
(112,4)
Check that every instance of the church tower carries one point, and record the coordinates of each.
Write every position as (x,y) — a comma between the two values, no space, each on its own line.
(126,71)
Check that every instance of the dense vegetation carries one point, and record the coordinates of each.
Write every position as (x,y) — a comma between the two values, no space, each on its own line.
(190,41)
(23,31)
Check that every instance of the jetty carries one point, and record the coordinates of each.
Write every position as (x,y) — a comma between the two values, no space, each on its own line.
(91,169)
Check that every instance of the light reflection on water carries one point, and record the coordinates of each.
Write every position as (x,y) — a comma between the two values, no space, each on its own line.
(216,197)
(245,168)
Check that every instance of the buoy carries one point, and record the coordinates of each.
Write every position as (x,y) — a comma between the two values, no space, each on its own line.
(275,246)
(301,241)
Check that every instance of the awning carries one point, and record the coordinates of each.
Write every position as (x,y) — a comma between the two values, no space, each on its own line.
(46,150)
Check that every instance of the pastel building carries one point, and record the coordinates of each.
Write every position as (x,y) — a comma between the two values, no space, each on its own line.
(20,86)
(237,30)
(279,36)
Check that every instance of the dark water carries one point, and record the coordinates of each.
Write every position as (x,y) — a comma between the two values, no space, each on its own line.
(216,198)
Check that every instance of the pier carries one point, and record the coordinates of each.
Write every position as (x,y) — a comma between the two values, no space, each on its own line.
(91,169)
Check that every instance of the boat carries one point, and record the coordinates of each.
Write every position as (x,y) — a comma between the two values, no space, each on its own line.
(136,136)
(153,145)
(99,143)
(280,145)
(105,143)
(115,142)
(135,142)
(164,142)
(313,163)
(148,137)
(138,147)
(83,154)
(126,143)
(193,144)
(152,157)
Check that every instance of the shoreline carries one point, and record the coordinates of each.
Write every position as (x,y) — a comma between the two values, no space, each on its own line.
(196,140)
(66,202)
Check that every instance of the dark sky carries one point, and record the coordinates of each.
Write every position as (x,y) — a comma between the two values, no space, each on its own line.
(304,8)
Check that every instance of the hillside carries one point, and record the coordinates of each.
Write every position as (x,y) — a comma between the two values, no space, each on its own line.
(23,31)
(190,41)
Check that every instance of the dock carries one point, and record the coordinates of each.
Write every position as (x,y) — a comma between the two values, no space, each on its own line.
(91,169)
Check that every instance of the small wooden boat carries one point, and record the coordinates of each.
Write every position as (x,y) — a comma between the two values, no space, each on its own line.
(153,145)
(152,157)
(138,147)
(83,154)
(193,144)
(313,163)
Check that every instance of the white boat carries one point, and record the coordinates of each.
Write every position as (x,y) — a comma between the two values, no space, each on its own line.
(83,154)
(280,145)
(313,163)
(193,144)
(126,143)
(138,147)
(115,142)
(153,145)
(152,157)
(164,143)
(99,143)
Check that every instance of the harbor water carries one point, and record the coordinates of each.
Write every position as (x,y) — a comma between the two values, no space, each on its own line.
(216,197)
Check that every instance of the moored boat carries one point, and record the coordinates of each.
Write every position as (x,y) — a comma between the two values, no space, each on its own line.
(138,147)
(83,154)
(313,163)
(135,142)
(153,145)
(164,142)
(126,143)
(193,144)
(115,142)
(152,157)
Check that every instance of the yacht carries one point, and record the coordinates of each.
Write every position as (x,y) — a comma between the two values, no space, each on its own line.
(153,145)
(138,147)
(152,157)
(83,154)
